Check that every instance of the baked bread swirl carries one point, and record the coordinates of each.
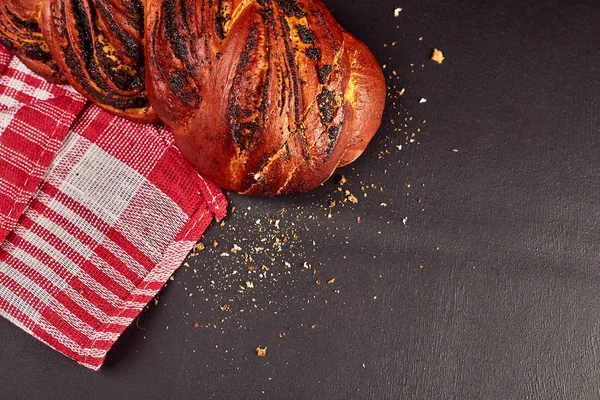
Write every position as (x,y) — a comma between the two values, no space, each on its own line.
(98,45)
(20,33)
(264,97)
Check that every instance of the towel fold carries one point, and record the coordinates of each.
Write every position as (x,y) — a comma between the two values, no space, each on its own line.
(96,212)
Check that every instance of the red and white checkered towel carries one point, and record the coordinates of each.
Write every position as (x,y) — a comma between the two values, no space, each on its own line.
(96,213)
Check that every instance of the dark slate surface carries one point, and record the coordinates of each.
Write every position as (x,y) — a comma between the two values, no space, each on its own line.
(489,291)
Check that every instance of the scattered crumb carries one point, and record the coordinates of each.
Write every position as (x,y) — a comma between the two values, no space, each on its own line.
(437,56)
(331,281)
(342,180)
(397,12)
(313,326)
(261,351)
(423,100)
(198,247)
(455,150)
(196,325)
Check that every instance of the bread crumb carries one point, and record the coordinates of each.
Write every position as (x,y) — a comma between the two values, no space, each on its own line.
(261,351)
(397,12)
(331,281)
(437,56)
(199,247)
(196,325)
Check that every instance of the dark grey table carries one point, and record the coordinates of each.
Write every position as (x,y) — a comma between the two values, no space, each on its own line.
(479,280)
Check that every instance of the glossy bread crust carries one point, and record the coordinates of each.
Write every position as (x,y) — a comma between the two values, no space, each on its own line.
(265,97)
(98,45)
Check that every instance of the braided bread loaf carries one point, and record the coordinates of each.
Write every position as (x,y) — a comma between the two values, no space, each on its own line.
(20,33)
(264,97)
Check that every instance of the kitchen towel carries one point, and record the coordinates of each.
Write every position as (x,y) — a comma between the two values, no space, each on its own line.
(96,213)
